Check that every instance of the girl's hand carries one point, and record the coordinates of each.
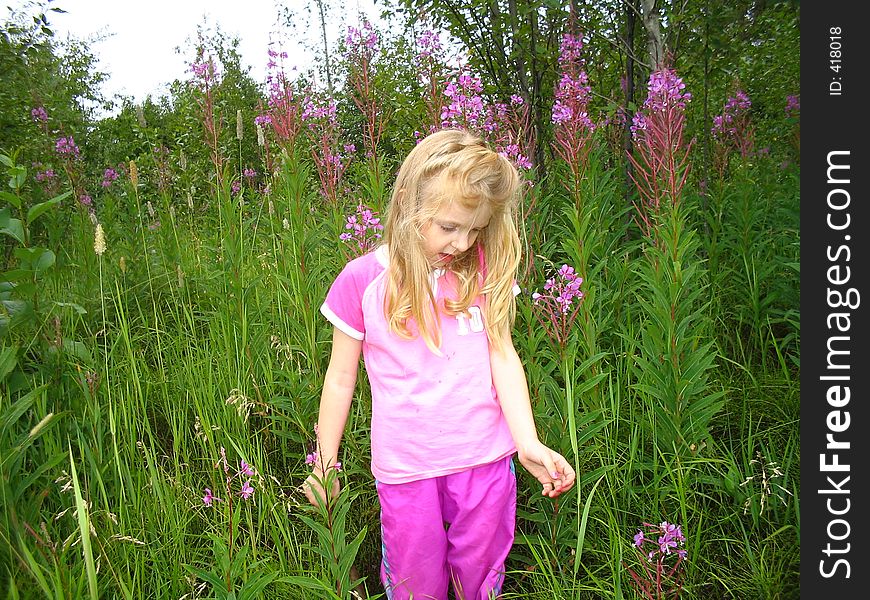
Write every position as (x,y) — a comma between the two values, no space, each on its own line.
(313,487)
(548,467)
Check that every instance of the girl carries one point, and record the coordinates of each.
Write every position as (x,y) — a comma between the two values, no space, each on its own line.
(431,312)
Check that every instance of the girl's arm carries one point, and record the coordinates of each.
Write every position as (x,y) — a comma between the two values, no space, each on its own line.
(335,399)
(548,467)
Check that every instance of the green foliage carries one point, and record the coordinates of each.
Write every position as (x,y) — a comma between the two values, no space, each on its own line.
(674,353)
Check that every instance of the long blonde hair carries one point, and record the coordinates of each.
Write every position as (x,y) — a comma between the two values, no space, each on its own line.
(452,165)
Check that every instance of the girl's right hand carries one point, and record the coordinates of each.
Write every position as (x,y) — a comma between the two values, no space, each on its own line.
(313,487)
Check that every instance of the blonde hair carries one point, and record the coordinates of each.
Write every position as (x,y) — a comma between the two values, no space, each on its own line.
(452,165)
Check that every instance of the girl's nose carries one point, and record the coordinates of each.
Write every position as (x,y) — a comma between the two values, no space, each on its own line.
(461,242)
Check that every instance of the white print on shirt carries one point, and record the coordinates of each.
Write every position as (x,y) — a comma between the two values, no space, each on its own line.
(474,319)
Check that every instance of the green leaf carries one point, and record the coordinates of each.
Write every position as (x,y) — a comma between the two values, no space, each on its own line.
(15,275)
(211,578)
(14,412)
(11,227)
(44,261)
(77,349)
(8,360)
(44,424)
(46,467)
(254,586)
(18,175)
(16,310)
(37,258)
(84,529)
(36,210)
(78,308)
(10,198)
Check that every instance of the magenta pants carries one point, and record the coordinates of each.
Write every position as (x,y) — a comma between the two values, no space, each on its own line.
(456,528)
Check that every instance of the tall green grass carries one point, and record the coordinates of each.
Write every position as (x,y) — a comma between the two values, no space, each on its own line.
(677,386)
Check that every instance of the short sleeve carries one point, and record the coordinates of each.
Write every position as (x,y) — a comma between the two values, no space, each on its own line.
(343,304)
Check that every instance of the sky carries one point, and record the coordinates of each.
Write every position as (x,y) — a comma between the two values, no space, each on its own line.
(141,36)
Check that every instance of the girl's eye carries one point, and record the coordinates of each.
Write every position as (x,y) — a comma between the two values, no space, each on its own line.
(448,228)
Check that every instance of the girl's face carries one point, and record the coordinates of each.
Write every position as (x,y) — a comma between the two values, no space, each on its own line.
(452,231)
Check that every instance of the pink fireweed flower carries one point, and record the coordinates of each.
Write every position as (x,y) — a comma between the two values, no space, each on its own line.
(109,176)
(47,175)
(209,498)
(246,469)
(465,107)
(429,44)
(638,538)
(247,490)
(665,537)
(366,37)
(660,575)
(205,72)
(573,128)
(319,114)
(66,146)
(39,114)
(311,458)
(558,306)
(666,89)
(792,105)
(661,156)
(363,230)
(733,129)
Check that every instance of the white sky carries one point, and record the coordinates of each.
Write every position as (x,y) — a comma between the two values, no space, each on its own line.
(139,54)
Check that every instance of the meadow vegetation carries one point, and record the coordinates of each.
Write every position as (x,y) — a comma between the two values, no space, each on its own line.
(162,351)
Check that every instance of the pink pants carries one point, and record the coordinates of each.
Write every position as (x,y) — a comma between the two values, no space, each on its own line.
(457,528)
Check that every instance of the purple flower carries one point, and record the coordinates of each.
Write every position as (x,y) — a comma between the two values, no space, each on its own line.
(666,543)
(311,458)
(570,115)
(792,105)
(39,114)
(732,129)
(48,174)
(247,491)
(364,228)
(558,306)
(205,71)
(209,497)
(85,200)
(109,175)
(638,538)
(429,43)
(668,537)
(246,469)
(66,146)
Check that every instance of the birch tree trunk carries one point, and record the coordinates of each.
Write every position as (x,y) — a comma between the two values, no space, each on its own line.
(652,24)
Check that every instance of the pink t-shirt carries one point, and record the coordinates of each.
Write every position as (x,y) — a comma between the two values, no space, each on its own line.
(431,415)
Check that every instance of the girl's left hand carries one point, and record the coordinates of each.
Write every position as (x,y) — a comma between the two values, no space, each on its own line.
(548,467)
